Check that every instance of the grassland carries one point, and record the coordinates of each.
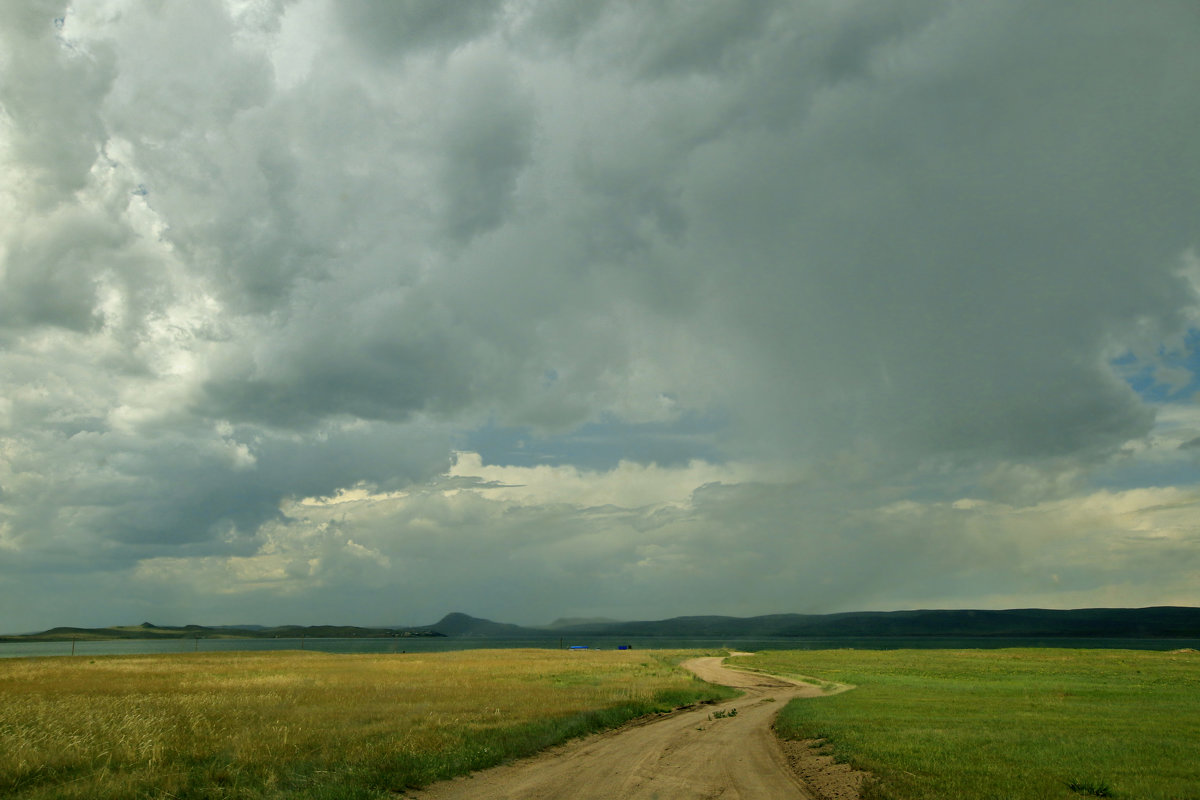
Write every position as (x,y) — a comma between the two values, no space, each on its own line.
(313,725)
(1005,724)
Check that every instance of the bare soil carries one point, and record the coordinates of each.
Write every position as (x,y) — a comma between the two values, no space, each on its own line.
(697,752)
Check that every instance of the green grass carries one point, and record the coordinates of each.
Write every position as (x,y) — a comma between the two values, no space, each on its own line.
(1005,724)
(312,725)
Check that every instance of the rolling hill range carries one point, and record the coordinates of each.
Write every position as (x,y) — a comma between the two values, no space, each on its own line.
(150,631)
(1165,622)
(1157,622)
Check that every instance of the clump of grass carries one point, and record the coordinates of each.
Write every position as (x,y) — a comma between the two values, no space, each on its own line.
(1090,788)
(280,725)
(1018,724)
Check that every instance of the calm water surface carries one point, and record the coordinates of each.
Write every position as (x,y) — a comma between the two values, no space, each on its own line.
(439,644)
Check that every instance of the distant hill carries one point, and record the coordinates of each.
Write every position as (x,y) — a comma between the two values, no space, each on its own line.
(461,625)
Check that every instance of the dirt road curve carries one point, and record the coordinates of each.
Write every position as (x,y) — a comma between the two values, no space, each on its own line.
(685,755)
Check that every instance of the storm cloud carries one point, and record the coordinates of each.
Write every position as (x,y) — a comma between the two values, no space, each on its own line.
(356,312)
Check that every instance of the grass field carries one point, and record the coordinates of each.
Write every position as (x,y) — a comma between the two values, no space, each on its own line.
(313,725)
(1005,724)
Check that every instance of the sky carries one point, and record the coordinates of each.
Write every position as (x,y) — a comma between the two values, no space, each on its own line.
(352,312)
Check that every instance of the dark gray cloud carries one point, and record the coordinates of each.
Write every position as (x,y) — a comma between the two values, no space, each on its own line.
(679,38)
(52,277)
(940,251)
(404,26)
(49,93)
(489,125)
(855,256)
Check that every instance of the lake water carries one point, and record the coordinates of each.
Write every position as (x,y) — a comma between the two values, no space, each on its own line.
(439,644)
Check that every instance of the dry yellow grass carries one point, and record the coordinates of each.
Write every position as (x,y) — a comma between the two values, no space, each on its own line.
(271,724)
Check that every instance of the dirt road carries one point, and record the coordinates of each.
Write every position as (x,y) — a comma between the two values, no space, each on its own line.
(689,754)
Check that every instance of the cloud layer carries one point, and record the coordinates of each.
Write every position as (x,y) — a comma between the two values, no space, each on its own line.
(589,309)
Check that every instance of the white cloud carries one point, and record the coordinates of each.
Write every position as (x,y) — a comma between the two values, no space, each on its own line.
(629,485)
(505,549)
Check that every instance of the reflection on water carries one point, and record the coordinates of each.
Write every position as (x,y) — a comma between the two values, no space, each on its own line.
(428,645)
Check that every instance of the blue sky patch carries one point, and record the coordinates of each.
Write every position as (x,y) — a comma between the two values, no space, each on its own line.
(1172,376)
